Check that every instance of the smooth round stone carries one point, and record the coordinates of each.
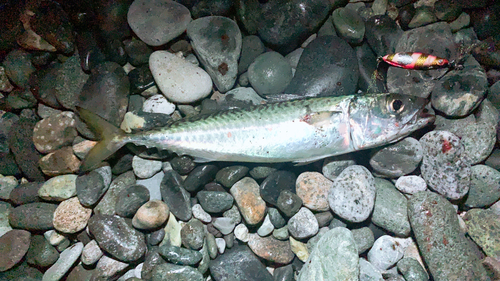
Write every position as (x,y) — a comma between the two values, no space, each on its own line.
(70,216)
(41,253)
(364,238)
(398,159)
(211,246)
(14,245)
(66,260)
(117,238)
(484,187)
(215,201)
(484,228)
(349,25)
(251,48)
(54,132)
(193,234)
(179,80)
(33,216)
(59,162)
(434,223)
(444,168)
(459,92)
(240,97)
(289,203)
(224,225)
(389,211)
(141,80)
(200,214)
(156,237)
(493,161)
(230,175)
(148,19)
(200,176)
(299,249)
(91,253)
(412,269)
(336,247)
(5,85)
(18,67)
(241,233)
(276,218)
(180,256)
(281,233)
(92,186)
(58,188)
(352,195)
(270,74)
(172,232)
(151,260)
(266,228)
(138,52)
(328,67)
(174,194)
(145,168)
(158,104)
(130,199)
(182,164)
(151,215)
(108,202)
(247,197)
(108,267)
(271,249)
(312,188)
(385,252)
(324,218)
(368,271)
(153,184)
(423,16)
(175,272)
(221,245)
(217,42)
(7,185)
(411,184)
(233,213)
(479,139)
(275,183)
(303,224)
(333,166)
(239,263)
(461,22)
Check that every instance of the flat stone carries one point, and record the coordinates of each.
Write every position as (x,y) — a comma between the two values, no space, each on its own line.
(180,256)
(271,249)
(247,196)
(58,188)
(41,253)
(91,253)
(13,246)
(193,234)
(70,216)
(106,205)
(312,188)
(175,272)
(215,201)
(173,193)
(483,227)
(54,132)
(130,199)
(64,263)
(33,216)
(385,253)
(151,215)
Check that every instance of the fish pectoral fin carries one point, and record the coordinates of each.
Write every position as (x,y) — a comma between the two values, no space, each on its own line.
(307,161)
(197,159)
(319,119)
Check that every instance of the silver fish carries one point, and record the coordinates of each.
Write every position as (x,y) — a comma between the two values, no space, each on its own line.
(298,131)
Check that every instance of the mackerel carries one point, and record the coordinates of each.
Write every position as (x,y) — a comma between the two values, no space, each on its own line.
(292,131)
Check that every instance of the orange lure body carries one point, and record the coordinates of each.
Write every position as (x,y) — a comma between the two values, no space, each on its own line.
(415,61)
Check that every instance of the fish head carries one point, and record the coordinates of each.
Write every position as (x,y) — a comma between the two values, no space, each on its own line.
(385,118)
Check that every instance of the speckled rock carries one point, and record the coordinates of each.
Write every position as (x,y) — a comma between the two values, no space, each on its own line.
(484,186)
(275,183)
(180,256)
(398,159)
(91,253)
(145,168)
(7,185)
(289,203)
(173,193)
(200,214)
(108,267)
(59,162)
(215,201)
(106,205)
(303,224)
(444,168)
(66,260)
(58,188)
(92,186)
(151,215)
(483,227)
(368,271)
(333,166)
(445,249)
(385,253)
(33,216)
(349,25)
(13,246)
(41,253)
(271,249)
(364,238)
(169,271)
(312,188)
(412,270)
(230,175)
(411,184)
(130,199)
(70,216)
(352,195)
(247,197)
(117,238)
(193,234)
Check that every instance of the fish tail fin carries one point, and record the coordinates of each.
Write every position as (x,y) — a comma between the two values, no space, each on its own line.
(110,138)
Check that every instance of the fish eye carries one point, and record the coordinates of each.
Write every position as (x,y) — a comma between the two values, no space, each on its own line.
(396,106)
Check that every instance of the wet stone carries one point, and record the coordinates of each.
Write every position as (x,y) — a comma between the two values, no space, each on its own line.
(70,216)
(303,224)
(444,168)
(233,213)
(484,228)
(352,195)
(312,188)
(41,253)
(412,269)
(146,19)
(211,246)
(289,203)
(239,263)
(349,25)
(182,164)
(172,232)
(173,193)
(448,96)
(385,253)
(230,175)
(251,48)
(168,271)
(154,238)
(92,186)
(446,250)
(59,162)
(398,159)
(411,184)
(157,104)
(271,249)
(221,245)
(275,183)
(138,52)
(484,187)
(217,43)
(193,234)
(108,202)
(14,245)
(180,256)
(33,216)
(262,172)
(317,77)
(117,238)
(66,260)
(324,218)
(247,197)
(151,215)
(423,16)
(269,74)
(5,209)
(389,211)
(152,259)
(215,201)
(364,238)
(153,185)
(200,176)
(141,79)
(224,225)
(108,267)
(18,67)
(276,218)
(130,199)
(241,233)
(337,247)
(479,139)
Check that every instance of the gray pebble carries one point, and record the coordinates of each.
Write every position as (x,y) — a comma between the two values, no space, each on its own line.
(180,256)
(484,187)
(64,263)
(398,159)
(215,201)
(364,238)
(412,270)
(303,224)
(193,234)
(385,252)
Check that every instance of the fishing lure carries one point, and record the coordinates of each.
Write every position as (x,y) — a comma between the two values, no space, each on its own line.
(416,61)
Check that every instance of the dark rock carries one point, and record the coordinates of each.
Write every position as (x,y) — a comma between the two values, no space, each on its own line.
(215,201)
(88,50)
(276,218)
(41,253)
(79,273)
(200,176)
(18,67)
(382,34)
(397,159)
(25,193)
(33,216)
(211,8)
(251,48)
(13,246)
(11,25)
(154,238)
(368,65)
(169,271)
(193,234)
(180,256)
(177,198)
(229,175)
(183,164)
(141,79)
(138,52)
(152,259)
(405,15)
(284,273)
(288,203)
(275,183)
(327,67)
(90,188)
(131,199)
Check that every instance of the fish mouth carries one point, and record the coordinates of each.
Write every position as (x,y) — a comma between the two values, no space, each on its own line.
(424,116)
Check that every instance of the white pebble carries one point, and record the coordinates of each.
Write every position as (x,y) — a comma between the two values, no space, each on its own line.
(158,104)
(241,233)
(411,184)
(145,168)
(221,245)
(200,214)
